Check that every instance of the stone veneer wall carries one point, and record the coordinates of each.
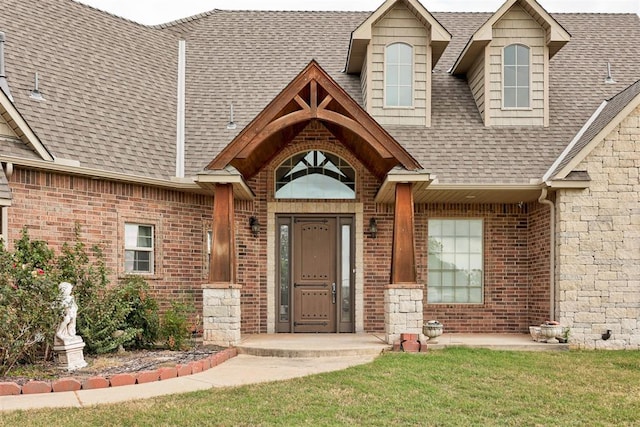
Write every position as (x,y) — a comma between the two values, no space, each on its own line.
(403,311)
(221,314)
(598,244)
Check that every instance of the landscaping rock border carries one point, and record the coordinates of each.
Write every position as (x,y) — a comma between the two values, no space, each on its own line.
(160,374)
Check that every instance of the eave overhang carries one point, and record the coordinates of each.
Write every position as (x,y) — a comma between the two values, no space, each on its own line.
(420,180)
(556,35)
(19,125)
(209,179)
(361,36)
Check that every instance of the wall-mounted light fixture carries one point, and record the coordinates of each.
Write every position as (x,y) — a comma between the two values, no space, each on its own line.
(373,228)
(254,225)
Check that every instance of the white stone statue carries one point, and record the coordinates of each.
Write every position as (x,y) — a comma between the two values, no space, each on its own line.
(67,345)
(67,330)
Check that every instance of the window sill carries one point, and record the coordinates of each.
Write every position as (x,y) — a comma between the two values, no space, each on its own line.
(145,276)
(516,108)
(392,107)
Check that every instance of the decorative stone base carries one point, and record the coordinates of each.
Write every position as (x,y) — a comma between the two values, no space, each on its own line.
(70,355)
(402,310)
(221,314)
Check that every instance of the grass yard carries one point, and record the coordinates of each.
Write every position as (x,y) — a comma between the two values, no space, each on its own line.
(449,387)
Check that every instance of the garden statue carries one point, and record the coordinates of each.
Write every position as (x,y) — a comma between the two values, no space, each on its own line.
(67,329)
(67,345)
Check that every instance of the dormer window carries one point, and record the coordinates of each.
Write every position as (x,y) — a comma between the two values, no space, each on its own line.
(399,75)
(516,77)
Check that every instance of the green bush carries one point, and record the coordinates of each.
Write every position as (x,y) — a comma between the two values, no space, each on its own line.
(109,317)
(174,327)
(29,302)
(144,312)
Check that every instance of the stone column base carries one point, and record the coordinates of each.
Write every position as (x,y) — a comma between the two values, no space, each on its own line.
(70,355)
(221,314)
(403,310)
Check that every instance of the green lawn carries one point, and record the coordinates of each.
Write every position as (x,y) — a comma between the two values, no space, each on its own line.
(449,387)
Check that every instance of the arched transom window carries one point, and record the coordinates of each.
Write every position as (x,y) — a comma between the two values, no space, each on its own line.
(315,175)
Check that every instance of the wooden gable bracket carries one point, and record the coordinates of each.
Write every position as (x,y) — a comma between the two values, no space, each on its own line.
(313,95)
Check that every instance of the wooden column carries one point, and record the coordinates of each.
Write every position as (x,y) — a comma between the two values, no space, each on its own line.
(223,255)
(403,259)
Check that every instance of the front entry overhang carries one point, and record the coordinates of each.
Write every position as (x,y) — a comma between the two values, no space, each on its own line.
(313,95)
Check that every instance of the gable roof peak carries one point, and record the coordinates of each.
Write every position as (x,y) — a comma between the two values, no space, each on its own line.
(360,37)
(313,95)
(556,35)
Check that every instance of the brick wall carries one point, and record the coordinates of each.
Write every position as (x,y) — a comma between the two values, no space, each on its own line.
(598,244)
(539,263)
(507,284)
(50,204)
(516,249)
(516,240)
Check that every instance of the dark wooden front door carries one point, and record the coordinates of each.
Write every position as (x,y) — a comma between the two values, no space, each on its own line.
(315,276)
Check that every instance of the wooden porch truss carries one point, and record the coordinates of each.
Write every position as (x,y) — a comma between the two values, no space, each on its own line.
(313,95)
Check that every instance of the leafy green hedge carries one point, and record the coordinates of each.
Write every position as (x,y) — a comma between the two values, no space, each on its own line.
(109,317)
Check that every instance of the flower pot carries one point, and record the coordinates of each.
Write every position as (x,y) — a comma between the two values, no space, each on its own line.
(549,333)
(432,330)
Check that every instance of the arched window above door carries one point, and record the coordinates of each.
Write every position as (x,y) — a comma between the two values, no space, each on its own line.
(315,175)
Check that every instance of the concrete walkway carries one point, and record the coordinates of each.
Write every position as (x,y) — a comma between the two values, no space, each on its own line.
(240,370)
(292,356)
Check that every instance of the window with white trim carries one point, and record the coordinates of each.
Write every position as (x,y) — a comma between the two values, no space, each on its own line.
(138,250)
(516,77)
(455,266)
(398,81)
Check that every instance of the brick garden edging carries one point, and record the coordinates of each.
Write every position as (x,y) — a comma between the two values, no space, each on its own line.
(160,374)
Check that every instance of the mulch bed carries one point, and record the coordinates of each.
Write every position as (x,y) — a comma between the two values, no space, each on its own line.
(110,364)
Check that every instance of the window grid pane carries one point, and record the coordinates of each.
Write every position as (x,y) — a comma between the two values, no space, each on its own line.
(516,77)
(455,261)
(399,75)
(138,254)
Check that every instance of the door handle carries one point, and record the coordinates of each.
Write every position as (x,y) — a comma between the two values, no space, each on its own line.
(333,293)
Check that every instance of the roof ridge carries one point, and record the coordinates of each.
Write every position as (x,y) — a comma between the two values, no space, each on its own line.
(88,6)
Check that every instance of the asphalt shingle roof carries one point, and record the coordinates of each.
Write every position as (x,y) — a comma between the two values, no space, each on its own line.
(110,85)
(612,108)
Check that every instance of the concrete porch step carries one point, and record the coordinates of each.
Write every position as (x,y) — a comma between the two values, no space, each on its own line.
(312,345)
(342,345)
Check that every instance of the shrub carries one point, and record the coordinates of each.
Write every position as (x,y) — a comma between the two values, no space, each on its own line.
(174,327)
(108,317)
(144,312)
(29,302)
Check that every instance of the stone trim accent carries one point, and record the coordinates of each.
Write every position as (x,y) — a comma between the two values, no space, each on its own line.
(221,314)
(403,310)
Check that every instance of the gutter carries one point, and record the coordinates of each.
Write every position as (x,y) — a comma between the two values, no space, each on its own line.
(186,184)
(552,252)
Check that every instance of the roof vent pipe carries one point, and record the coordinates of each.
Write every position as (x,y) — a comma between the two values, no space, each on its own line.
(35,93)
(4,85)
(609,79)
(231,124)
(181,114)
